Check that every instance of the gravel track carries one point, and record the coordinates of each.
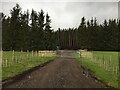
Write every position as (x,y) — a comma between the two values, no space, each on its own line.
(64,72)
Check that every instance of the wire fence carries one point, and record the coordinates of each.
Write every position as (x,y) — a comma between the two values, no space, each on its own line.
(11,57)
(105,61)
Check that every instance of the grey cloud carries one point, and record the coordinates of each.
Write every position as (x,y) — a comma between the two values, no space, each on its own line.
(68,14)
(100,10)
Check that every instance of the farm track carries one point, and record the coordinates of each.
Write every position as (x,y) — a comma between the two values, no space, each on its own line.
(64,72)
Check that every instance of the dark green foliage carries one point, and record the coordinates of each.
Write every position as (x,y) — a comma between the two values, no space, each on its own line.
(92,36)
(33,31)
(25,31)
(48,34)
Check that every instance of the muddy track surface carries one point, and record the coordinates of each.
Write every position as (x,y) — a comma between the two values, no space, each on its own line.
(64,72)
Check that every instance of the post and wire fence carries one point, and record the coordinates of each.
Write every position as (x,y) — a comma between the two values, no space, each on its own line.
(11,57)
(105,61)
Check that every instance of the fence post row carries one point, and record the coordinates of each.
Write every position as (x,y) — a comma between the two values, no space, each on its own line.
(15,58)
(101,60)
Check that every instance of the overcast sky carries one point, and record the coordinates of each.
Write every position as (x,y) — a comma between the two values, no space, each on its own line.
(66,13)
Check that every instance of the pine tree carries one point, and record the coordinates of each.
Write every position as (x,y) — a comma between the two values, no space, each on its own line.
(81,30)
(33,31)
(48,33)
(15,27)
(24,32)
(41,30)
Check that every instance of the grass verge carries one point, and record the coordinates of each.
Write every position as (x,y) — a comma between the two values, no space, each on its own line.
(18,68)
(107,77)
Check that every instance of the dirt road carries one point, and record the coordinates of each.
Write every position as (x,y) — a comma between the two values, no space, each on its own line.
(64,72)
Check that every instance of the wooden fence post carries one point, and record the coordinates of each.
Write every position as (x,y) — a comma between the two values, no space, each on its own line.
(44,53)
(6,63)
(80,53)
(32,53)
(13,55)
(104,64)
(100,62)
(38,53)
(1,57)
(2,62)
(27,53)
(21,51)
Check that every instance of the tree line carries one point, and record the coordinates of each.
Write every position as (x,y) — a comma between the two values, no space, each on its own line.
(33,31)
(91,35)
(27,31)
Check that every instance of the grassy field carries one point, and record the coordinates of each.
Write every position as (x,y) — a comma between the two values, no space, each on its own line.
(107,76)
(107,55)
(21,61)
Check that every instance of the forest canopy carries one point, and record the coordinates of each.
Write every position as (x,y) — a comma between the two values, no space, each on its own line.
(33,31)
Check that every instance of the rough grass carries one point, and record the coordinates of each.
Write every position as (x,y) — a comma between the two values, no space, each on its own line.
(15,68)
(106,54)
(107,77)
